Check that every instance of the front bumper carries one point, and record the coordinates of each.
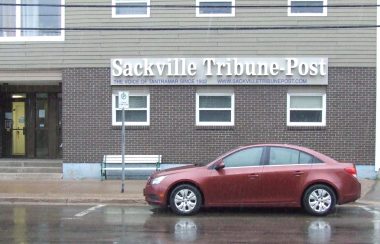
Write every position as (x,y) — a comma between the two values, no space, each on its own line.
(155,195)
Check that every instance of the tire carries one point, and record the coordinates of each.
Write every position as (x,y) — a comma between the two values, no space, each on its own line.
(319,200)
(185,200)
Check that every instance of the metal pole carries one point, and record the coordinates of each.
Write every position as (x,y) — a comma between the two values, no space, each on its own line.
(122,151)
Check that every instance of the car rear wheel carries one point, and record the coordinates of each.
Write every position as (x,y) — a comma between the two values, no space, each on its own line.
(319,200)
(185,200)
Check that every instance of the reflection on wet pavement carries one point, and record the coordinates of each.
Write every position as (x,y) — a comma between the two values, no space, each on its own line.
(319,231)
(116,224)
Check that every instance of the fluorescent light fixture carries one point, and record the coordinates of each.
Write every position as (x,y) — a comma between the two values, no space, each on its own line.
(18,96)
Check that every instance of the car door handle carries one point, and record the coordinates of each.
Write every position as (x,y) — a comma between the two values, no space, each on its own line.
(253,176)
(299,173)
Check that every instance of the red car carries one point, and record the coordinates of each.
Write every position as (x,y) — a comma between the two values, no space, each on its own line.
(270,175)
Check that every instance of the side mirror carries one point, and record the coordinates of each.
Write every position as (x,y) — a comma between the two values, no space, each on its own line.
(220,165)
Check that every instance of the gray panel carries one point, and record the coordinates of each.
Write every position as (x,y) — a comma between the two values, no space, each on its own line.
(343,47)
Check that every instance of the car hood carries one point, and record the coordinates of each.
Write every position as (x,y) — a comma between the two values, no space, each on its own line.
(174,170)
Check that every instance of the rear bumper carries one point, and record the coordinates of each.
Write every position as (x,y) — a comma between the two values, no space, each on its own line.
(352,195)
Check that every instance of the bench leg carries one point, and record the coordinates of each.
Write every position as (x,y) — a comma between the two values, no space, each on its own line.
(103,174)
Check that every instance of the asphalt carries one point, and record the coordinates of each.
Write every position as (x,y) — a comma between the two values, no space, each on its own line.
(109,192)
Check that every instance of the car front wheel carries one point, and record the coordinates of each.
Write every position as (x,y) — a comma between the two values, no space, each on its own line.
(185,200)
(319,200)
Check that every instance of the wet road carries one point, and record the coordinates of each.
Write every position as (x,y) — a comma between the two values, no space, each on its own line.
(121,224)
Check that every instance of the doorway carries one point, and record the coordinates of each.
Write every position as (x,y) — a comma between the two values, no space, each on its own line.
(18,128)
(30,121)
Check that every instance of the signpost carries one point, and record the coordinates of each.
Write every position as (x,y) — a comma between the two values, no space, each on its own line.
(123,104)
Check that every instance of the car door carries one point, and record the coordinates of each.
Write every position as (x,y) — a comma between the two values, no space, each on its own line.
(238,181)
(283,175)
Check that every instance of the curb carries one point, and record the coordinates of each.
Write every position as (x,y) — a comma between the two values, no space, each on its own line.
(112,201)
(47,200)
(366,202)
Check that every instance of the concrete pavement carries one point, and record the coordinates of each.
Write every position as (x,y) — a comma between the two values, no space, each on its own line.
(373,194)
(71,191)
(109,191)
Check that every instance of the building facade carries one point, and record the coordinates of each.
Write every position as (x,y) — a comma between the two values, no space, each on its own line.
(201,80)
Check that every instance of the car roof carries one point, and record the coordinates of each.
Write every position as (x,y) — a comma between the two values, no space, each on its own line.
(319,155)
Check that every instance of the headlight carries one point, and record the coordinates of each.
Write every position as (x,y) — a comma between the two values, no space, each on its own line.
(158,180)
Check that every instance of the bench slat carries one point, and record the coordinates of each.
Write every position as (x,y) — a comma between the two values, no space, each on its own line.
(129,160)
(118,169)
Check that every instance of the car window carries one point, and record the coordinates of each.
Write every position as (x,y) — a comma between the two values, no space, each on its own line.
(283,156)
(306,158)
(317,160)
(246,157)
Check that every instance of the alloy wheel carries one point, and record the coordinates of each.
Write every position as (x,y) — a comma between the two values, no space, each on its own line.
(185,199)
(320,200)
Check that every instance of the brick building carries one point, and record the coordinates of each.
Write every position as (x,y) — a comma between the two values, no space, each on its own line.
(205,83)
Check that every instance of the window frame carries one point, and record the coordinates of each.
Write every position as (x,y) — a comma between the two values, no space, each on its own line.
(198,14)
(115,15)
(131,94)
(216,94)
(295,124)
(324,13)
(19,37)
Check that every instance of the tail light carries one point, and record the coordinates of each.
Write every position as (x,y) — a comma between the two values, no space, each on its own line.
(351,171)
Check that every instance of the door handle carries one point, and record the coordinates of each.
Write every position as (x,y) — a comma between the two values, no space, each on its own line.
(299,173)
(253,176)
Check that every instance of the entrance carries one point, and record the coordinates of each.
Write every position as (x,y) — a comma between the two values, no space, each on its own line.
(18,128)
(30,121)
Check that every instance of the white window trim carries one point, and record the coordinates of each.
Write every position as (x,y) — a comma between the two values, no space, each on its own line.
(322,123)
(232,109)
(131,93)
(232,14)
(20,38)
(114,15)
(324,13)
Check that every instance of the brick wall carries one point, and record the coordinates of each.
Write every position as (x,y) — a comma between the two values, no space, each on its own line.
(260,117)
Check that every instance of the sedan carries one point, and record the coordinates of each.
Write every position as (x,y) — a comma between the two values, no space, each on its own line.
(266,175)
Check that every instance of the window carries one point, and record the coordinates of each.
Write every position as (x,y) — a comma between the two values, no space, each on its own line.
(130,8)
(306,110)
(286,156)
(244,158)
(306,158)
(281,156)
(138,112)
(215,8)
(307,8)
(215,109)
(51,17)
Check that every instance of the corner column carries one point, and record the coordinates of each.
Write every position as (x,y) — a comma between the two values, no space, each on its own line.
(377,143)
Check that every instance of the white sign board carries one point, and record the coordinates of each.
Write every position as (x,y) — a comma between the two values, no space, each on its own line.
(123,100)
(220,71)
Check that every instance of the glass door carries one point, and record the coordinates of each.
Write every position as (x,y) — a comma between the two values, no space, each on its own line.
(18,127)
(42,125)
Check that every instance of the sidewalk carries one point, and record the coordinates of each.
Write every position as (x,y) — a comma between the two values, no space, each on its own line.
(372,194)
(108,192)
(73,191)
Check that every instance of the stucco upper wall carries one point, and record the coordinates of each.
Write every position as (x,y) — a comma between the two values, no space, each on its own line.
(343,47)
